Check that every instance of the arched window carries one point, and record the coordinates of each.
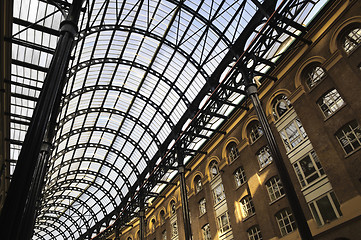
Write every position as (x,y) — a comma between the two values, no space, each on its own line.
(351,40)
(232,152)
(172,207)
(254,233)
(162,216)
(349,136)
(313,74)
(285,221)
(330,102)
(198,183)
(239,176)
(129,238)
(206,232)
(247,206)
(281,105)
(152,225)
(255,131)
(274,188)
(264,157)
(213,169)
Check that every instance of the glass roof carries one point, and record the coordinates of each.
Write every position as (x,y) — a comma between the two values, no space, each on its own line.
(135,70)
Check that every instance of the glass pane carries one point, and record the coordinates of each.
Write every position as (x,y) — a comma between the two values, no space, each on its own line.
(326,210)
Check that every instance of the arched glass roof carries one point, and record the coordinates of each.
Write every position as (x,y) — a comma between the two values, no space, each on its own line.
(136,69)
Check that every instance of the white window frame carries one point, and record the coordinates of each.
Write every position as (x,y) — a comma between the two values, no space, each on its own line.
(223,226)
(255,131)
(254,233)
(300,172)
(174,227)
(239,177)
(264,157)
(206,232)
(198,183)
(202,207)
(349,136)
(233,153)
(314,75)
(330,102)
(293,134)
(164,235)
(247,207)
(218,194)
(351,40)
(280,100)
(274,188)
(213,169)
(316,211)
(285,221)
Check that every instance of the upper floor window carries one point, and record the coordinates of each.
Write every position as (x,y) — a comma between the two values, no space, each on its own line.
(218,193)
(293,134)
(206,232)
(281,105)
(325,209)
(247,206)
(255,131)
(152,225)
(213,169)
(264,157)
(223,222)
(164,235)
(274,188)
(351,40)
(232,152)
(254,233)
(174,229)
(285,221)
(202,207)
(349,136)
(313,75)
(239,176)
(308,169)
(198,183)
(162,216)
(330,102)
(172,207)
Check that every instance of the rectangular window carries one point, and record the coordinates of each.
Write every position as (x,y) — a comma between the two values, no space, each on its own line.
(330,102)
(308,169)
(293,134)
(218,194)
(206,232)
(223,222)
(325,209)
(174,229)
(202,207)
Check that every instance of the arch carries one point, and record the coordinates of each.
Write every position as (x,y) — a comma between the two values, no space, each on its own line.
(228,141)
(172,210)
(245,127)
(314,59)
(207,173)
(152,224)
(269,107)
(334,45)
(160,218)
(196,174)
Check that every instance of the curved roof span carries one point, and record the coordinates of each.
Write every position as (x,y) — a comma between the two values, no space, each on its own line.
(143,74)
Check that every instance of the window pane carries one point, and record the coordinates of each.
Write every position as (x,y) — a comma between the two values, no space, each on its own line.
(352,40)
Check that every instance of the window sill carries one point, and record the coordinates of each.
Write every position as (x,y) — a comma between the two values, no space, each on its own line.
(261,169)
(238,187)
(351,153)
(219,203)
(274,201)
(202,214)
(248,217)
(313,183)
(328,117)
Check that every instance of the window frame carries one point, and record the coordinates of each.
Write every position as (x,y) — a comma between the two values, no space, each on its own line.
(232,152)
(223,227)
(300,173)
(346,37)
(292,141)
(346,136)
(202,207)
(239,178)
(247,207)
(285,217)
(213,166)
(332,105)
(174,231)
(274,188)
(277,101)
(220,197)
(314,74)
(316,212)
(206,232)
(263,153)
(254,233)
(198,184)
(255,131)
